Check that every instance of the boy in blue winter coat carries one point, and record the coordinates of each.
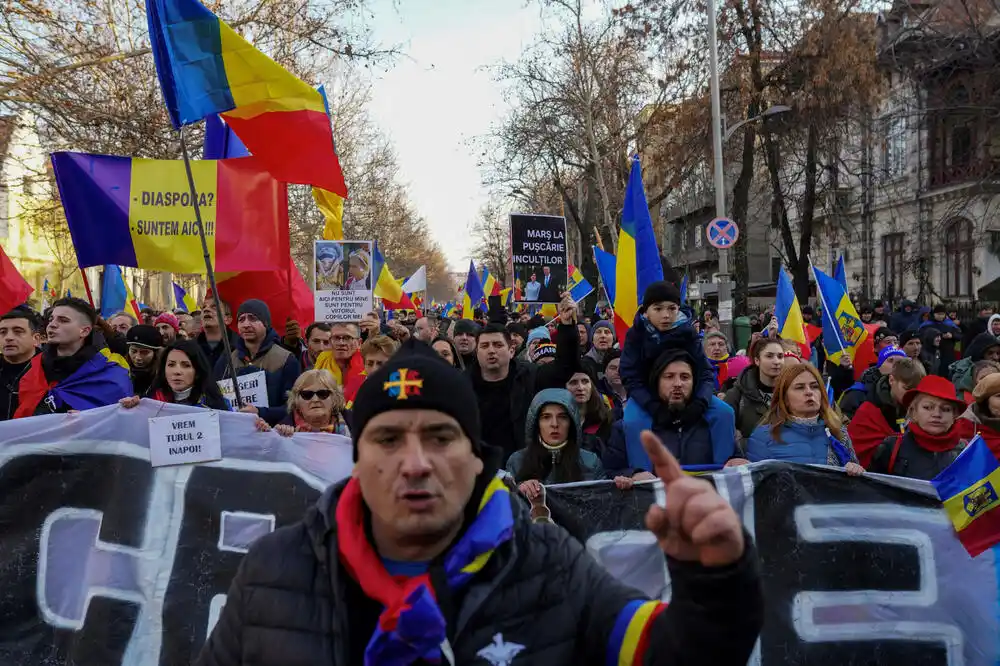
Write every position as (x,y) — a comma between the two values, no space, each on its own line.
(659,325)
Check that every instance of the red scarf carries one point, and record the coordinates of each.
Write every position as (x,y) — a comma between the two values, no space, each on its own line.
(935,443)
(302,426)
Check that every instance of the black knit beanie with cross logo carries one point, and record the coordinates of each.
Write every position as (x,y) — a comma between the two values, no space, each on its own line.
(416,377)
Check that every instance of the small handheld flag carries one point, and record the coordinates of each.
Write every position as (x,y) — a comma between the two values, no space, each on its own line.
(473,293)
(184,302)
(578,286)
(970,491)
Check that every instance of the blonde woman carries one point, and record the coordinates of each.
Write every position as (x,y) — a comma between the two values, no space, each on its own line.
(801,426)
(315,404)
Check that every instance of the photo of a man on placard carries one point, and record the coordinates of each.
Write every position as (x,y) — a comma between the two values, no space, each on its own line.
(550,290)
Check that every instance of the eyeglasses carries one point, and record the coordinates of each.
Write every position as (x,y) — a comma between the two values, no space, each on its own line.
(322,394)
(342,338)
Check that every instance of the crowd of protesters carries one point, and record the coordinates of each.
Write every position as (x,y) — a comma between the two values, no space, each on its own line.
(561,400)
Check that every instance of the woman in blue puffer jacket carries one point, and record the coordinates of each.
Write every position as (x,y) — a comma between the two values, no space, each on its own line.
(801,426)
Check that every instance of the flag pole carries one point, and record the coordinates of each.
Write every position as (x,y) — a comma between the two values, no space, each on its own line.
(86,286)
(211,272)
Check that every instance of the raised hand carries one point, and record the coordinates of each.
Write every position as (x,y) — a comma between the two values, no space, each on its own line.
(696,525)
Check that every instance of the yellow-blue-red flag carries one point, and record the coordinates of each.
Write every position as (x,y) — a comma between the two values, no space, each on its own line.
(788,312)
(843,330)
(473,293)
(969,488)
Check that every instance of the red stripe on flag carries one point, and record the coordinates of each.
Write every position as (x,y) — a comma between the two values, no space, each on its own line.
(295,146)
(982,533)
(272,288)
(14,289)
(255,238)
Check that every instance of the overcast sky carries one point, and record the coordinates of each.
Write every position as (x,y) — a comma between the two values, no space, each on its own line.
(440,95)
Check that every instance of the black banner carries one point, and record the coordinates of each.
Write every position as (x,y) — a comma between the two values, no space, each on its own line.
(538,248)
(855,571)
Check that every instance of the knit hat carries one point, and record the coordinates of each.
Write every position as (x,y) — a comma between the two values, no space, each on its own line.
(517,328)
(987,387)
(807,310)
(541,351)
(258,309)
(911,334)
(889,352)
(540,333)
(602,323)
(935,386)
(169,319)
(466,327)
(609,356)
(417,378)
(940,307)
(660,292)
(663,360)
(716,334)
(145,336)
(882,333)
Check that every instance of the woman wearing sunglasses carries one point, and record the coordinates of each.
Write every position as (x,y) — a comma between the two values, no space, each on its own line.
(315,404)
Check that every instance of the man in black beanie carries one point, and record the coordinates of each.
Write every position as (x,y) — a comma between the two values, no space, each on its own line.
(258,349)
(423,556)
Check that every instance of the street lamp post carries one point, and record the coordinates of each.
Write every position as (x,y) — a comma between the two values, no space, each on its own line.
(725,285)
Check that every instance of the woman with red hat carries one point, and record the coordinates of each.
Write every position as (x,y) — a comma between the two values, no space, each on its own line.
(931,440)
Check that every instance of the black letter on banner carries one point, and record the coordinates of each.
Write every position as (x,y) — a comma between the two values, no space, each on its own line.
(72,524)
(225,510)
(835,552)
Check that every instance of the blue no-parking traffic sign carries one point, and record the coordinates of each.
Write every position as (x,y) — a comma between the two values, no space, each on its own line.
(722,233)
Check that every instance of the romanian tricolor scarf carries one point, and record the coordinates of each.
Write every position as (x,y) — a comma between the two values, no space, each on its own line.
(96,383)
(412,627)
(326,361)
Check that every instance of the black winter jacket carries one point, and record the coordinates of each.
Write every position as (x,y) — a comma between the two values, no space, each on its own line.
(292,604)
(911,460)
(505,430)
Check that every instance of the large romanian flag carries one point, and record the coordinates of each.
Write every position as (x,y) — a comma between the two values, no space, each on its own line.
(205,67)
(638,260)
(134,212)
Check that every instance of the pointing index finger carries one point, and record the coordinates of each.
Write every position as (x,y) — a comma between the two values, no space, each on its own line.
(665,465)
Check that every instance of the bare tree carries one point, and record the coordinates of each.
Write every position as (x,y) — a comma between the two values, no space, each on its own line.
(491,233)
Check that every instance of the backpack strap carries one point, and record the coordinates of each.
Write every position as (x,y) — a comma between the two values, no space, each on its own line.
(895,452)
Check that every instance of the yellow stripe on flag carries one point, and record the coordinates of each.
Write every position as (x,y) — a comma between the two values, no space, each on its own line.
(332,207)
(974,501)
(258,84)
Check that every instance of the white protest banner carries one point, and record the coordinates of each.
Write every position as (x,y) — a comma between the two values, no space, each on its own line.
(181,440)
(343,280)
(253,389)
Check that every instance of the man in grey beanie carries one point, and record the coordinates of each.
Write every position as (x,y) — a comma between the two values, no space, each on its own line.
(258,350)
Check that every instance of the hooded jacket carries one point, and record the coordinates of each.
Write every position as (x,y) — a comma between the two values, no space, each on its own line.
(934,360)
(748,401)
(961,371)
(590,464)
(280,367)
(644,344)
(695,438)
(292,603)
(504,428)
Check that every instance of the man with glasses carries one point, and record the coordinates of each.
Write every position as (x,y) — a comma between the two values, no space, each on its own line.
(344,360)
(257,349)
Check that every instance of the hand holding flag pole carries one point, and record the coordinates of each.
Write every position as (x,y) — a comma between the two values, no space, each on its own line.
(208,267)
